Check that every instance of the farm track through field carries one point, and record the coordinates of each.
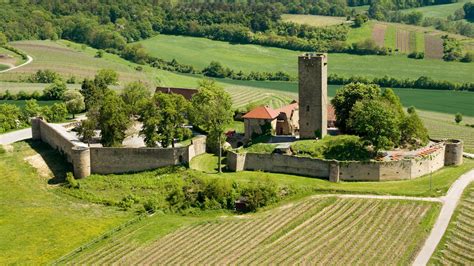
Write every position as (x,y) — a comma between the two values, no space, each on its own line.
(378,34)
(433,47)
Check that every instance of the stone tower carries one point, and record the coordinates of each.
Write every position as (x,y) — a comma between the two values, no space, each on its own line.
(312,86)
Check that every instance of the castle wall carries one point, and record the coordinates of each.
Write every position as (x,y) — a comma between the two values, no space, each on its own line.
(335,171)
(105,160)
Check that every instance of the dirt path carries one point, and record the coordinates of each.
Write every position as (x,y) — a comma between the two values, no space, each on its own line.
(30,59)
(450,202)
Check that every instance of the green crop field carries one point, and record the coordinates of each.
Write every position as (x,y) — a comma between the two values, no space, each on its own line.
(438,11)
(258,58)
(313,20)
(308,231)
(37,224)
(21,103)
(457,245)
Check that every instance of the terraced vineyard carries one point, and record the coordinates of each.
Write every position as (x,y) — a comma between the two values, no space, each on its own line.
(241,96)
(457,247)
(355,231)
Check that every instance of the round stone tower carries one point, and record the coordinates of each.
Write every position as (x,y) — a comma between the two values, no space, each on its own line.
(453,152)
(81,161)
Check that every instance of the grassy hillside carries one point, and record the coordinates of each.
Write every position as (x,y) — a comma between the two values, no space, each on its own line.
(258,58)
(70,59)
(37,224)
(438,11)
(457,245)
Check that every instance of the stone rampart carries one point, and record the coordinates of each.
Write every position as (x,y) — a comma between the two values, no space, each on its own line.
(334,170)
(104,160)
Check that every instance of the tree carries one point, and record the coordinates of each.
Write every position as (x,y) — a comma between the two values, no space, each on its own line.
(150,116)
(458,118)
(394,100)
(347,96)
(212,111)
(215,69)
(377,122)
(55,91)
(3,39)
(412,130)
(113,120)
(106,77)
(74,102)
(164,120)
(56,113)
(86,129)
(135,96)
(359,20)
(31,109)
(9,117)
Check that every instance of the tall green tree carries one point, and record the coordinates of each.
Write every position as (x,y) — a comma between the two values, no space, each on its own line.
(377,122)
(113,120)
(413,132)
(135,96)
(74,102)
(346,98)
(212,111)
(166,120)
(55,91)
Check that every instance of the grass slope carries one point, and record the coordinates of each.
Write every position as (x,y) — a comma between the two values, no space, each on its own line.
(438,11)
(70,59)
(258,58)
(457,245)
(37,223)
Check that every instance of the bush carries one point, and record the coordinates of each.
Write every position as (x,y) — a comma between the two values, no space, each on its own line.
(416,55)
(71,182)
(259,194)
(342,148)
(44,76)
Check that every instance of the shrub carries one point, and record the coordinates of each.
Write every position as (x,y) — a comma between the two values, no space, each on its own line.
(71,182)
(458,118)
(259,194)
(44,76)
(416,55)
(55,91)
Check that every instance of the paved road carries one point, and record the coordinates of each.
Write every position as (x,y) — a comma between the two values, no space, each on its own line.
(450,202)
(15,136)
(30,59)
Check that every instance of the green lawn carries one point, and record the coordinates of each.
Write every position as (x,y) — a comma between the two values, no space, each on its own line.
(3,67)
(258,58)
(362,33)
(441,180)
(21,103)
(37,223)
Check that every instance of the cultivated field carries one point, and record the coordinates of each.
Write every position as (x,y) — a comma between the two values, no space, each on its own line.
(355,231)
(313,20)
(457,245)
(378,34)
(403,41)
(9,59)
(258,58)
(433,47)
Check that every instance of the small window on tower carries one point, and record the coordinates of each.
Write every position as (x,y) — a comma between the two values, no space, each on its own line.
(307,108)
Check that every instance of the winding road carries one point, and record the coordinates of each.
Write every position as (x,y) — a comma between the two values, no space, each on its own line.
(30,59)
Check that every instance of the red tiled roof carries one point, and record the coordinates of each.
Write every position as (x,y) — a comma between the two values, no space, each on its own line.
(262,112)
(186,93)
(288,109)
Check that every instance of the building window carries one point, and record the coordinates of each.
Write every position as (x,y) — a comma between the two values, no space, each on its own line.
(307,108)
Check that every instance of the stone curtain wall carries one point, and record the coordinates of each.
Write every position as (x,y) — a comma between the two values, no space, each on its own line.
(346,171)
(103,160)
(124,160)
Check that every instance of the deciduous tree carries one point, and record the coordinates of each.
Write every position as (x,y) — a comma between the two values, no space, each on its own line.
(212,111)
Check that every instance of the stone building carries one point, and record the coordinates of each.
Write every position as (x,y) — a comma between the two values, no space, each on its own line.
(312,92)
